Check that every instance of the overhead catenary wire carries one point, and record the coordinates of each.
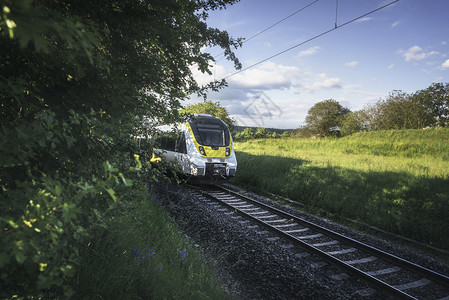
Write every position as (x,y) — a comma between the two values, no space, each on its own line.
(292,14)
(311,39)
(273,25)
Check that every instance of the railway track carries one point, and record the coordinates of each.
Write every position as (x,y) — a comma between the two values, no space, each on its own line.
(381,270)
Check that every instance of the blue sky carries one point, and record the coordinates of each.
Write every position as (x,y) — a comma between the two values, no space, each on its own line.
(404,46)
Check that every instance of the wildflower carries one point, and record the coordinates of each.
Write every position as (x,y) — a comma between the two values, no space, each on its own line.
(183,254)
(145,253)
(201,291)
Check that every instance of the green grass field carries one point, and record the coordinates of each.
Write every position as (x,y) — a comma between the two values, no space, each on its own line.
(394,180)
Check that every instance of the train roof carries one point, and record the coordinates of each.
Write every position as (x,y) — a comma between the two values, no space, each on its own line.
(195,118)
(203,115)
(204,118)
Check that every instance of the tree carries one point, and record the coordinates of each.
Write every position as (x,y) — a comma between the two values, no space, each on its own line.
(435,101)
(399,111)
(77,79)
(262,133)
(352,122)
(286,134)
(303,131)
(211,108)
(246,133)
(325,115)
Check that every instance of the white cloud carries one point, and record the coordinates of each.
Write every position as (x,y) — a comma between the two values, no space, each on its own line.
(416,53)
(273,80)
(308,52)
(443,43)
(395,24)
(217,70)
(390,67)
(325,82)
(445,65)
(352,63)
(365,19)
(267,76)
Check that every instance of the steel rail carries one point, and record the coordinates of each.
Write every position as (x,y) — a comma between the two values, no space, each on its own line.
(430,274)
(374,282)
(370,279)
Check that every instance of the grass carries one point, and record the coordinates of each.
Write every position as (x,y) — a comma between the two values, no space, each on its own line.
(141,255)
(394,180)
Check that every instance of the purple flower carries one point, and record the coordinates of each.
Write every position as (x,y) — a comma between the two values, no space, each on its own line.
(183,254)
(146,252)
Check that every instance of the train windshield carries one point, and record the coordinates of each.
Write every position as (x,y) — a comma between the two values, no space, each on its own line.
(210,132)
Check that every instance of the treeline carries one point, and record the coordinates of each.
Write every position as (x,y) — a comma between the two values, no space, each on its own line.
(422,109)
(244,133)
(428,108)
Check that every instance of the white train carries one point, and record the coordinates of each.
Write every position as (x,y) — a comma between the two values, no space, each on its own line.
(202,147)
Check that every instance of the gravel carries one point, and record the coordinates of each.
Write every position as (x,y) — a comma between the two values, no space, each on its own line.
(254,264)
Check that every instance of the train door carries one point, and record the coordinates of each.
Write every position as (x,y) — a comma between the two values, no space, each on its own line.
(181,157)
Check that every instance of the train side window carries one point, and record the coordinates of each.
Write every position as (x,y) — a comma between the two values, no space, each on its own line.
(166,142)
(181,144)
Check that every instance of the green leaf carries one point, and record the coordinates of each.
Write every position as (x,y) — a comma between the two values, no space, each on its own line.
(108,168)
(138,163)
(20,257)
(69,211)
(111,193)
(127,182)
(13,224)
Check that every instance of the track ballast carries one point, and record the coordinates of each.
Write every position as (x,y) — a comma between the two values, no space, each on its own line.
(381,270)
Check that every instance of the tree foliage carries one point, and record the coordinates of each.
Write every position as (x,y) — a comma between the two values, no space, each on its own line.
(424,108)
(263,133)
(245,134)
(435,103)
(325,115)
(400,111)
(352,122)
(77,79)
(211,108)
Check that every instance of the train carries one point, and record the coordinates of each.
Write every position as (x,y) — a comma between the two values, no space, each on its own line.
(202,148)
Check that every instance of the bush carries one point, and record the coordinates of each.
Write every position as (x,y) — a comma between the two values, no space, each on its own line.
(53,194)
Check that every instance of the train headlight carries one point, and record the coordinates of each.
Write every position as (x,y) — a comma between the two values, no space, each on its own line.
(228,151)
(201,148)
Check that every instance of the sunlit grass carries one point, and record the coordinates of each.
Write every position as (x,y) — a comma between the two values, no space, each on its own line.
(425,155)
(395,180)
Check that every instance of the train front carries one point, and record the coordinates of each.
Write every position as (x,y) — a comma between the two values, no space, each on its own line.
(210,148)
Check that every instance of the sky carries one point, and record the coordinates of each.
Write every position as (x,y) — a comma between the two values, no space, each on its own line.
(404,46)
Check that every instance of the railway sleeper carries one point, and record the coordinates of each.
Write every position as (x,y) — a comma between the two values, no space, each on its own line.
(286,225)
(412,285)
(296,230)
(384,271)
